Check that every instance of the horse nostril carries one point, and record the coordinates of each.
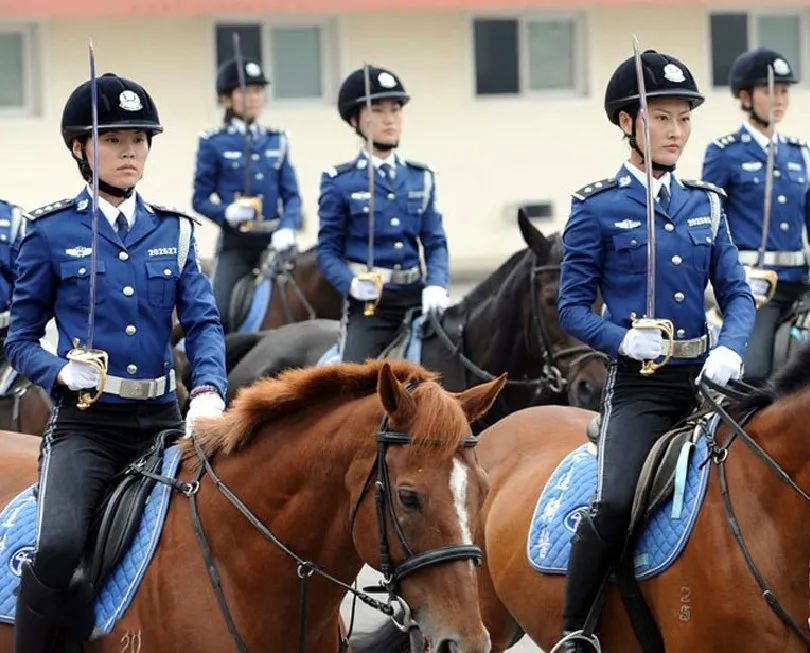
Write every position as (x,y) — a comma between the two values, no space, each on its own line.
(447,646)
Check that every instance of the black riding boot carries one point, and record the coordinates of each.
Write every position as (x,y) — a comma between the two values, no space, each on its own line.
(590,559)
(38,616)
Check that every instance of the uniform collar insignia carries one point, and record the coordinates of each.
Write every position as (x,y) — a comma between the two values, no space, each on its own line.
(624,181)
(82,204)
(627,223)
(79,251)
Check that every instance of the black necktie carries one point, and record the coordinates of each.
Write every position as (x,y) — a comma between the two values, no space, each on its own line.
(663,197)
(122,225)
(387,171)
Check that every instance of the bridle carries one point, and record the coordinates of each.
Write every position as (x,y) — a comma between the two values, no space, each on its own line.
(719,455)
(278,268)
(393,572)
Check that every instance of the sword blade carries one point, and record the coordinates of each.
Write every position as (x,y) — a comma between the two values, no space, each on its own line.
(248,149)
(768,204)
(645,124)
(371,171)
(91,314)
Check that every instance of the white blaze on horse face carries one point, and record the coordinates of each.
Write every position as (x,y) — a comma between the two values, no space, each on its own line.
(458,487)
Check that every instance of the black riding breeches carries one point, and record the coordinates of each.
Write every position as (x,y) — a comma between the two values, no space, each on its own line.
(636,411)
(759,355)
(367,336)
(81,452)
(236,258)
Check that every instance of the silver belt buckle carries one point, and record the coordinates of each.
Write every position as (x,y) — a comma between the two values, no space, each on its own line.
(135,389)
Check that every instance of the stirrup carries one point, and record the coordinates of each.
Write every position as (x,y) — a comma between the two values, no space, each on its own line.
(97,358)
(593,640)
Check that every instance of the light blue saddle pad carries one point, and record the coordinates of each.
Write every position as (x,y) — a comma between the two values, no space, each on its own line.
(570,490)
(413,352)
(18,523)
(258,306)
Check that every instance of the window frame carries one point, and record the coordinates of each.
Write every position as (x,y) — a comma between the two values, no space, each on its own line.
(752,34)
(580,90)
(328,56)
(30,73)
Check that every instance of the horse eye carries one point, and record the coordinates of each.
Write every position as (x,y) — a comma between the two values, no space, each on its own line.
(409,499)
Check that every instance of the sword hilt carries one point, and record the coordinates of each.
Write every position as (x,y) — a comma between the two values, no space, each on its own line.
(375,278)
(666,327)
(97,358)
(767,277)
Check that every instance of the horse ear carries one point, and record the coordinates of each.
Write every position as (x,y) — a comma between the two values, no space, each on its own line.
(476,401)
(396,400)
(532,236)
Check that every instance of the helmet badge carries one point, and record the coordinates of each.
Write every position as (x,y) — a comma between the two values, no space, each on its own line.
(253,69)
(386,80)
(674,74)
(780,66)
(130,101)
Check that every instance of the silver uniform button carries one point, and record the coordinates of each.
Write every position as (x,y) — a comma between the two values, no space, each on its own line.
(123,256)
(394,222)
(709,239)
(680,333)
(669,226)
(784,226)
(679,297)
(255,157)
(398,245)
(634,243)
(776,173)
(132,369)
(129,291)
(391,196)
(397,266)
(782,199)
(167,272)
(259,176)
(82,271)
(365,209)
(677,260)
(131,330)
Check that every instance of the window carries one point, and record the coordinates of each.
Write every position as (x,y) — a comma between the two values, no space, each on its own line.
(529,54)
(295,60)
(735,33)
(17,69)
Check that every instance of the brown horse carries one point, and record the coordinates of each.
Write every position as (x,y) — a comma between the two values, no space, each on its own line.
(327,459)
(708,599)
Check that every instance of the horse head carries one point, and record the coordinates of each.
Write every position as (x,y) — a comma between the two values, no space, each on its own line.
(428,495)
(580,370)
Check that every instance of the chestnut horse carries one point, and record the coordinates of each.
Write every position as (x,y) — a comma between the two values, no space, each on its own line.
(344,465)
(708,599)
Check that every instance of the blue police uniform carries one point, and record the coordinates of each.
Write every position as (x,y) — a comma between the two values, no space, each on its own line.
(737,162)
(219,180)
(605,251)
(139,283)
(405,219)
(12,229)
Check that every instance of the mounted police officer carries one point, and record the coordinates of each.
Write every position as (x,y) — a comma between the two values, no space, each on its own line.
(605,252)
(12,230)
(146,267)
(380,272)
(244,177)
(738,163)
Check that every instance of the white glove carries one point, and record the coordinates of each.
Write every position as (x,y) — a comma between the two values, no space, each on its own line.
(79,376)
(363,290)
(641,344)
(434,298)
(282,239)
(207,404)
(722,364)
(235,214)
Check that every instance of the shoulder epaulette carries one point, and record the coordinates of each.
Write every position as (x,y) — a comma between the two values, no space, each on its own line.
(49,209)
(703,185)
(208,133)
(169,210)
(275,130)
(340,168)
(796,141)
(595,187)
(728,139)
(420,166)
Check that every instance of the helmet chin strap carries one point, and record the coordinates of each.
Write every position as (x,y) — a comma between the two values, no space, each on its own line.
(382,147)
(657,167)
(755,117)
(103,186)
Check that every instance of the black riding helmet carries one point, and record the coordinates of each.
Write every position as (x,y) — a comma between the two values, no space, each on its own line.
(122,104)
(750,69)
(383,85)
(228,75)
(664,76)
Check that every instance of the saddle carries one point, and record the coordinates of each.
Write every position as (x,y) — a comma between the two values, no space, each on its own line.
(119,514)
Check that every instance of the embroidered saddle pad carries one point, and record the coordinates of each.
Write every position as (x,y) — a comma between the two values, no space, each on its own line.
(18,524)
(568,494)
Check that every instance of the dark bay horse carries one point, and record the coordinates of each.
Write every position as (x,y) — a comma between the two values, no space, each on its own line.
(25,408)
(708,600)
(345,465)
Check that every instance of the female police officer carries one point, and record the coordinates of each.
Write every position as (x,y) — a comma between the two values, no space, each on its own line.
(146,267)
(220,191)
(405,217)
(605,251)
(738,163)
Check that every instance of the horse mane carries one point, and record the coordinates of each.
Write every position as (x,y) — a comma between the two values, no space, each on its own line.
(491,284)
(791,378)
(295,390)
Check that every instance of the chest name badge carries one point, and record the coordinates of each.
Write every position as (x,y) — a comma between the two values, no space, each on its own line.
(361,195)
(752,166)
(232,155)
(5,222)
(699,222)
(161,251)
(627,223)
(79,252)
(792,165)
